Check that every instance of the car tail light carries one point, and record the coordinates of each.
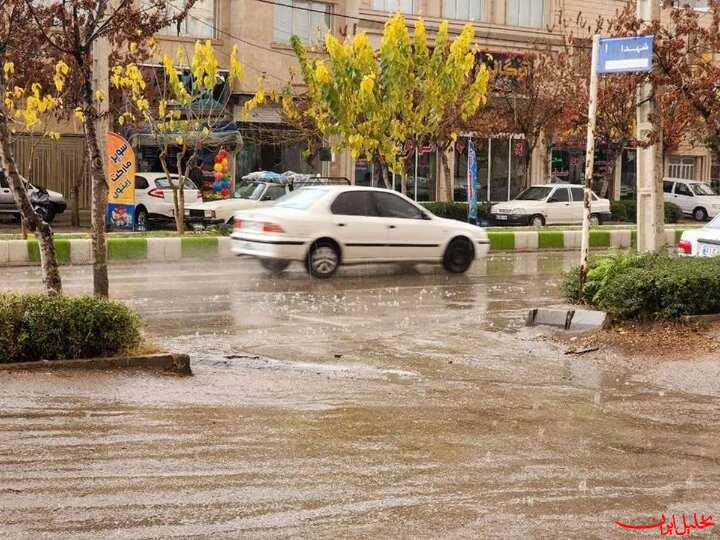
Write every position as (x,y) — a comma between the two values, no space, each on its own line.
(158,193)
(684,247)
(238,224)
(272,228)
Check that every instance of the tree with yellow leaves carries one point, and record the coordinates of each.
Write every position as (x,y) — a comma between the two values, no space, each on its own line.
(179,106)
(403,95)
(27,108)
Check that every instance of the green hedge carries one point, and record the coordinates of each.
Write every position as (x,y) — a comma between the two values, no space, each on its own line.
(457,210)
(627,211)
(40,327)
(655,286)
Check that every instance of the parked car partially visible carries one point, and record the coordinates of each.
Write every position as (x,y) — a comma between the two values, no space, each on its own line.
(702,242)
(550,204)
(696,199)
(57,204)
(154,198)
(255,190)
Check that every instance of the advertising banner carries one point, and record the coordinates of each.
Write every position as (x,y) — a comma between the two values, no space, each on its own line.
(121,183)
(472,182)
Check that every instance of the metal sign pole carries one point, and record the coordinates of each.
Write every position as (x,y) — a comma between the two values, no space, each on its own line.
(589,161)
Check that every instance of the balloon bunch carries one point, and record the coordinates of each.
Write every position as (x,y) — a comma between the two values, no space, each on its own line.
(221,186)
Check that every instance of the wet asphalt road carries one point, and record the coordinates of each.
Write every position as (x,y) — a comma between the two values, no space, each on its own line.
(386,402)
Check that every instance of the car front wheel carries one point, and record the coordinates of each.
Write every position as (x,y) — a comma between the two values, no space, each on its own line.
(141,220)
(700,214)
(459,255)
(323,259)
(537,221)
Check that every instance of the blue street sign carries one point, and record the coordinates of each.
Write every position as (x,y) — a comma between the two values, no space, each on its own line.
(625,55)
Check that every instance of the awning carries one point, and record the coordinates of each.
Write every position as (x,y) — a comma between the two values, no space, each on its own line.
(227,135)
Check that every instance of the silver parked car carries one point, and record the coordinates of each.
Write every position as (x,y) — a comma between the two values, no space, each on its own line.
(7,201)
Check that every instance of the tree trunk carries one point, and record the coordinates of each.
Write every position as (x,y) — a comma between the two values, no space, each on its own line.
(403,183)
(75,194)
(99,195)
(609,175)
(43,231)
(446,186)
(179,198)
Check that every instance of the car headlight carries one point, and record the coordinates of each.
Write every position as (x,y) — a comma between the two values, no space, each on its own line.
(210,214)
(518,211)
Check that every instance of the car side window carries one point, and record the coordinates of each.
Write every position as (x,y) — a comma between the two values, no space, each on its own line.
(393,206)
(683,189)
(3,180)
(667,187)
(189,184)
(578,194)
(560,195)
(273,192)
(354,203)
(141,182)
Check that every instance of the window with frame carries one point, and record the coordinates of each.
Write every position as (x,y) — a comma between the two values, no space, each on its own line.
(393,6)
(528,13)
(354,203)
(683,189)
(200,21)
(464,10)
(309,21)
(578,194)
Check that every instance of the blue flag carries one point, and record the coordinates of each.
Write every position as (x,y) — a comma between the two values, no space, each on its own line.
(472,183)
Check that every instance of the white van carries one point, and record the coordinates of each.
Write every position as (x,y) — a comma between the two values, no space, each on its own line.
(696,199)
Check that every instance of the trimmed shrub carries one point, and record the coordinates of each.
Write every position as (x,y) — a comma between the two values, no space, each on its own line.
(456,210)
(654,286)
(626,210)
(40,327)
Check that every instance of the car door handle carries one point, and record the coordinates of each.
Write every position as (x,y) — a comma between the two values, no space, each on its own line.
(340,224)
(391,226)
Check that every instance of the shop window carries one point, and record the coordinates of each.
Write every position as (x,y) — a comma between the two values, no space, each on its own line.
(393,6)
(715,174)
(364,170)
(464,10)
(273,150)
(525,13)
(628,174)
(200,21)
(426,161)
(309,21)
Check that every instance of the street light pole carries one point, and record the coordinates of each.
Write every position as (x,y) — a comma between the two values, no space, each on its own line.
(650,205)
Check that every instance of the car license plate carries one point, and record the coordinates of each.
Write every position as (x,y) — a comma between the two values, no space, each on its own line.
(708,250)
(501,217)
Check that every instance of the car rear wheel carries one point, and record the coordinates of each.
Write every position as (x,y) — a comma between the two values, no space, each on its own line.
(700,214)
(459,255)
(537,221)
(323,259)
(274,266)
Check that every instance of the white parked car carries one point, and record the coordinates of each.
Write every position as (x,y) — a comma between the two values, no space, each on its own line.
(326,226)
(247,195)
(8,206)
(702,242)
(550,204)
(696,199)
(154,198)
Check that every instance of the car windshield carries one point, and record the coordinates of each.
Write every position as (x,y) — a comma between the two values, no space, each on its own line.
(301,199)
(249,190)
(702,189)
(535,193)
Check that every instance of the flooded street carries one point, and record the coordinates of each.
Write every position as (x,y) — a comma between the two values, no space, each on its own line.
(386,402)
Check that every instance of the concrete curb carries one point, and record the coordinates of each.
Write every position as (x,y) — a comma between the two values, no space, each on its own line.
(174,363)
(79,251)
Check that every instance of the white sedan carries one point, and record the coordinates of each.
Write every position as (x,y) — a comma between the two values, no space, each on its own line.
(326,226)
(702,242)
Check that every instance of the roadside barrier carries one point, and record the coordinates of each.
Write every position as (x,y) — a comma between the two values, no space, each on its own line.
(78,251)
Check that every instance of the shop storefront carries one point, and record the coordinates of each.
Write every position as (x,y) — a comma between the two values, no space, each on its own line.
(367,174)
(501,166)
(273,148)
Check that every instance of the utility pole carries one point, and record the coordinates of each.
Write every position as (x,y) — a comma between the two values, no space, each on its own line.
(650,205)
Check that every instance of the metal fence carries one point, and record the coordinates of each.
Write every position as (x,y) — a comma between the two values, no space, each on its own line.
(55,165)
